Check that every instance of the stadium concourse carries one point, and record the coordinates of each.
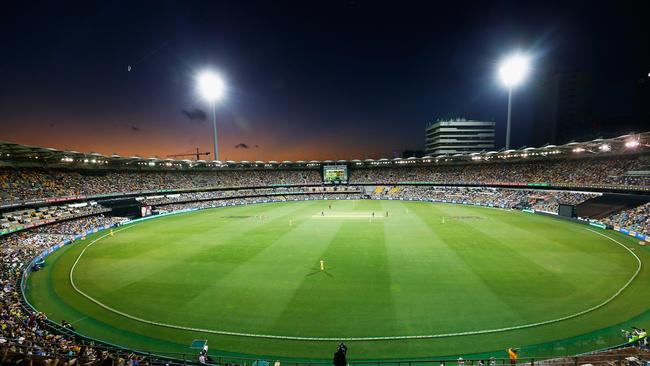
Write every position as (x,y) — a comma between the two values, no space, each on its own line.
(48,197)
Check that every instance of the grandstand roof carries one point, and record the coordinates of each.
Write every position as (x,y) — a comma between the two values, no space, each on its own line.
(13,154)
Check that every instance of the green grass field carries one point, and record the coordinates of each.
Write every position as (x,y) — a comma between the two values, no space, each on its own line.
(409,274)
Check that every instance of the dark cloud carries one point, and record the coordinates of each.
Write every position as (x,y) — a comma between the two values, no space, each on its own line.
(51,125)
(242,145)
(135,128)
(256,146)
(195,115)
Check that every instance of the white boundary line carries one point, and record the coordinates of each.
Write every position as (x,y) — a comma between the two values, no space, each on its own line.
(403,337)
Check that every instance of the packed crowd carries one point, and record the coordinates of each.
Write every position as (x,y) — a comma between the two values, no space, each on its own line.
(250,200)
(29,217)
(549,201)
(500,197)
(46,236)
(78,227)
(578,172)
(497,197)
(637,219)
(28,184)
(25,336)
(227,194)
(507,198)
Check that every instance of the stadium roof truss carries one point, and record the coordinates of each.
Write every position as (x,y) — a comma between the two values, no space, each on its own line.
(19,155)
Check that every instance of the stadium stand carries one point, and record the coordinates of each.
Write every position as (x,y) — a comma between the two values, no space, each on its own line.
(542,200)
(30,184)
(637,219)
(47,201)
(32,217)
(610,203)
(571,173)
(72,175)
(239,193)
(25,335)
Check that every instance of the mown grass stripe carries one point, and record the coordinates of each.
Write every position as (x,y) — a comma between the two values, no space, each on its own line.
(378,338)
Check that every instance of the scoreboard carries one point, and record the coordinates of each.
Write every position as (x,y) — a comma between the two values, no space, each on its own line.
(567,210)
(335,174)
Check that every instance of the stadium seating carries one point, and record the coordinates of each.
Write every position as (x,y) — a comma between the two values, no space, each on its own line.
(31,217)
(42,222)
(637,219)
(563,172)
(33,183)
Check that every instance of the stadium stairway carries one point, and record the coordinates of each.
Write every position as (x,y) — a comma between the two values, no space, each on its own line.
(609,203)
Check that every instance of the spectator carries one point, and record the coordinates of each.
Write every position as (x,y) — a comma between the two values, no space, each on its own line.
(637,219)
(340,356)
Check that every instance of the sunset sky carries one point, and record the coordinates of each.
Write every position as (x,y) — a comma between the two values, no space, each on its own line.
(306,80)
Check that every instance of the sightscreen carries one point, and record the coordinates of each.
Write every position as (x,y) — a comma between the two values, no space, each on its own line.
(335,174)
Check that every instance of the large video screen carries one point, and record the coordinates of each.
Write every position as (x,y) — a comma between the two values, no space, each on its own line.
(335,174)
(145,211)
(566,210)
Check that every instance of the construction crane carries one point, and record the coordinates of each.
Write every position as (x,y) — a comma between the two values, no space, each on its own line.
(196,154)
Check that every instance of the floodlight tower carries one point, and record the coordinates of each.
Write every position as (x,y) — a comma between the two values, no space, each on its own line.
(513,71)
(211,87)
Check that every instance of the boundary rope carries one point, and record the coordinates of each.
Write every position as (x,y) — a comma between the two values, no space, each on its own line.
(402,337)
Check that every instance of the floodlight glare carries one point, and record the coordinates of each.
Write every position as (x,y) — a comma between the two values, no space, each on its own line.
(514,69)
(211,86)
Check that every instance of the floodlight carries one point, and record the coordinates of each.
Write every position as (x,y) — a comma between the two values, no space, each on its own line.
(605,147)
(211,86)
(513,70)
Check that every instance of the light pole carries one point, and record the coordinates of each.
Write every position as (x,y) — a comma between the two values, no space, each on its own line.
(512,72)
(211,87)
(215,140)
